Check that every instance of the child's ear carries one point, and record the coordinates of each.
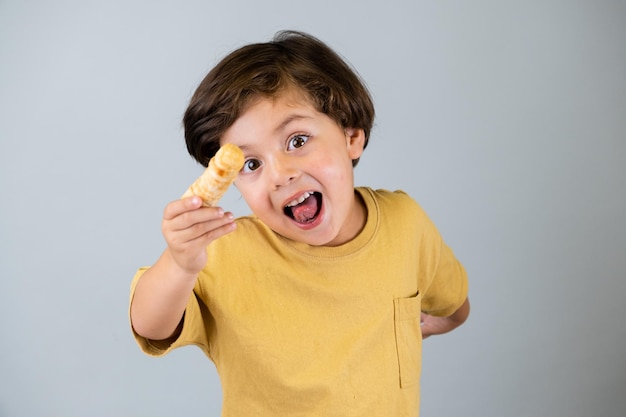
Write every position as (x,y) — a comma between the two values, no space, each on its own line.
(355,139)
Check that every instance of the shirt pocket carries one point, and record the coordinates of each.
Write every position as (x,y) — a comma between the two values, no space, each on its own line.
(408,339)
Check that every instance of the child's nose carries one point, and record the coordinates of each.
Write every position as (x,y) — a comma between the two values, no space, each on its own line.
(283,172)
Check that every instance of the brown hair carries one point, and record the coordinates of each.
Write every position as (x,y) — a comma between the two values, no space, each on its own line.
(266,69)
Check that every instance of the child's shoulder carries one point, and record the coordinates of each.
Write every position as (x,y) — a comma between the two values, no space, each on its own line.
(397,206)
(397,199)
(400,211)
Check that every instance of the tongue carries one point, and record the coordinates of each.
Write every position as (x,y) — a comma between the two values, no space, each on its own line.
(306,210)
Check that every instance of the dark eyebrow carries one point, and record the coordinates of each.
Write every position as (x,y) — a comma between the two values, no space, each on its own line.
(290,119)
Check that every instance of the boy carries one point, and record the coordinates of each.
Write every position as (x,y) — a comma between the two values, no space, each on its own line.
(310,306)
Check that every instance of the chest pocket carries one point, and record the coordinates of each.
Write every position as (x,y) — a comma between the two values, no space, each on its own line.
(408,339)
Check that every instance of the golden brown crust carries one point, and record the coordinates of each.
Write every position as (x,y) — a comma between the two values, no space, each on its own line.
(218,176)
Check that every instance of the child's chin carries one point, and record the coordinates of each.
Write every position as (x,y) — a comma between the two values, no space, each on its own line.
(310,237)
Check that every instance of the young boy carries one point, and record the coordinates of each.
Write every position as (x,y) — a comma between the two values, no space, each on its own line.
(312,305)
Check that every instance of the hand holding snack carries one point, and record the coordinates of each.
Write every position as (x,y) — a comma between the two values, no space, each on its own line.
(218,176)
(191,224)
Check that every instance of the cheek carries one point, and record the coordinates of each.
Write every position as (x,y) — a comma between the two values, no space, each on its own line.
(249,193)
(337,170)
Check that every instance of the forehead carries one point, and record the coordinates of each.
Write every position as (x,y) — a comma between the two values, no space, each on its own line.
(291,96)
(275,111)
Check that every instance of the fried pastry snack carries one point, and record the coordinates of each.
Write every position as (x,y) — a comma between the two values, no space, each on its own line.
(218,176)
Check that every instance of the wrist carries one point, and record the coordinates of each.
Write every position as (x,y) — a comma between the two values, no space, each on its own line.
(177,271)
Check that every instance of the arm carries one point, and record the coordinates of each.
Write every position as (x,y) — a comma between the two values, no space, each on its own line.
(162,292)
(432,325)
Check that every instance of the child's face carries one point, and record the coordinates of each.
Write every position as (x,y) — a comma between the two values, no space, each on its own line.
(298,175)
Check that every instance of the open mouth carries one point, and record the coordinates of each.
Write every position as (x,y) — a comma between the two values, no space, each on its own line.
(306,208)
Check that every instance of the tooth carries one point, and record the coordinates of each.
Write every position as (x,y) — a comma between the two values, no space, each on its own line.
(303,197)
(299,199)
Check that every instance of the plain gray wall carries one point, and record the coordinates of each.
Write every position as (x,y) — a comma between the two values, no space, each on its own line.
(505,120)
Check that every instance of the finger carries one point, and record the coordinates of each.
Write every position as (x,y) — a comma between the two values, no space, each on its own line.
(196,225)
(209,227)
(216,232)
(191,255)
(188,219)
(178,207)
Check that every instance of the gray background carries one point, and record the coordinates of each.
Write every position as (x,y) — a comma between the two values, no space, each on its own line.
(506,120)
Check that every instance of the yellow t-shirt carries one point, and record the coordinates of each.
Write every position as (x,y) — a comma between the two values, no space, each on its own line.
(296,330)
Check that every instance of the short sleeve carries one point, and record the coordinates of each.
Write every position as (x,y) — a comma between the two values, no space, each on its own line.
(448,286)
(193,332)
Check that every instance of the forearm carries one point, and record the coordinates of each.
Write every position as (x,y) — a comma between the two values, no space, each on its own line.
(160,298)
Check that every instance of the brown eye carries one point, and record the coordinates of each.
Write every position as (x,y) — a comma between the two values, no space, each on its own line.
(297,141)
(251,165)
